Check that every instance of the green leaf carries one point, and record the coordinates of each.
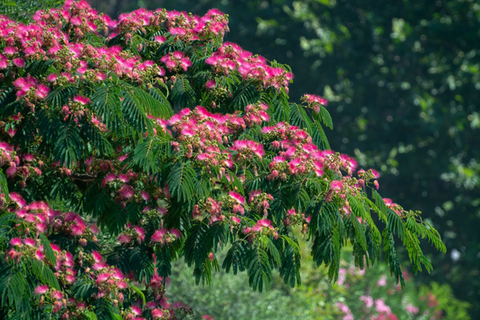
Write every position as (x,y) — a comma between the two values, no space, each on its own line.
(47,249)
(135,110)
(258,268)
(59,97)
(69,145)
(196,251)
(106,104)
(90,315)
(235,258)
(4,185)
(181,181)
(183,94)
(245,93)
(140,293)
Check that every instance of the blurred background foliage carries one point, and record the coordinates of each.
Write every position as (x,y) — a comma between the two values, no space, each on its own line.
(229,298)
(403,82)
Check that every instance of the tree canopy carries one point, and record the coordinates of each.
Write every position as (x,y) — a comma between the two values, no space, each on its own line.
(129,144)
(402,82)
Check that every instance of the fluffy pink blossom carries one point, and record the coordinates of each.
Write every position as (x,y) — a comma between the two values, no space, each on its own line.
(97,257)
(381,307)
(41,289)
(126,191)
(368,301)
(176,233)
(157,313)
(16,242)
(337,185)
(412,309)
(158,235)
(237,197)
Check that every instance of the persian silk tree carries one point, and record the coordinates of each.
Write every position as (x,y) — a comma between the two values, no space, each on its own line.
(129,144)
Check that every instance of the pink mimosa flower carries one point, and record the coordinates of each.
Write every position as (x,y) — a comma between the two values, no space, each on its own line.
(176,233)
(237,196)
(41,289)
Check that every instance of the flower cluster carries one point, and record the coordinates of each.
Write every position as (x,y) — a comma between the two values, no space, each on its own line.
(262,227)
(176,60)
(23,166)
(204,133)
(256,114)
(30,88)
(165,236)
(246,149)
(213,209)
(345,310)
(26,247)
(314,101)
(299,155)
(231,56)
(131,234)
(58,301)
(395,207)
(260,201)
(294,218)
(181,25)
(39,217)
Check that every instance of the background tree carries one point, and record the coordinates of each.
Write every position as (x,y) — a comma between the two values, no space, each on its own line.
(402,80)
(357,294)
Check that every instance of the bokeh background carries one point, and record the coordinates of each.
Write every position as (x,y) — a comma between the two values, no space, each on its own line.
(403,82)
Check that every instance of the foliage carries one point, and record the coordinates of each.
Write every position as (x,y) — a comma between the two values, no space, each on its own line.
(24,10)
(128,145)
(402,81)
(358,294)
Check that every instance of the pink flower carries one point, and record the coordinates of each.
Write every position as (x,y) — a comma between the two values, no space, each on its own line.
(82,100)
(136,310)
(3,62)
(123,177)
(368,301)
(108,178)
(210,84)
(237,196)
(235,219)
(126,191)
(337,185)
(158,235)
(30,242)
(99,265)
(123,238)
(57,295)
(160,39)
(97,257)
(382,281)
(176,233)
(16,242)
(264,223)
(412,309)
(145,195)
(157,313)
(41,289)
(52,77)
(19,62)
(381,307)
(17,198)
